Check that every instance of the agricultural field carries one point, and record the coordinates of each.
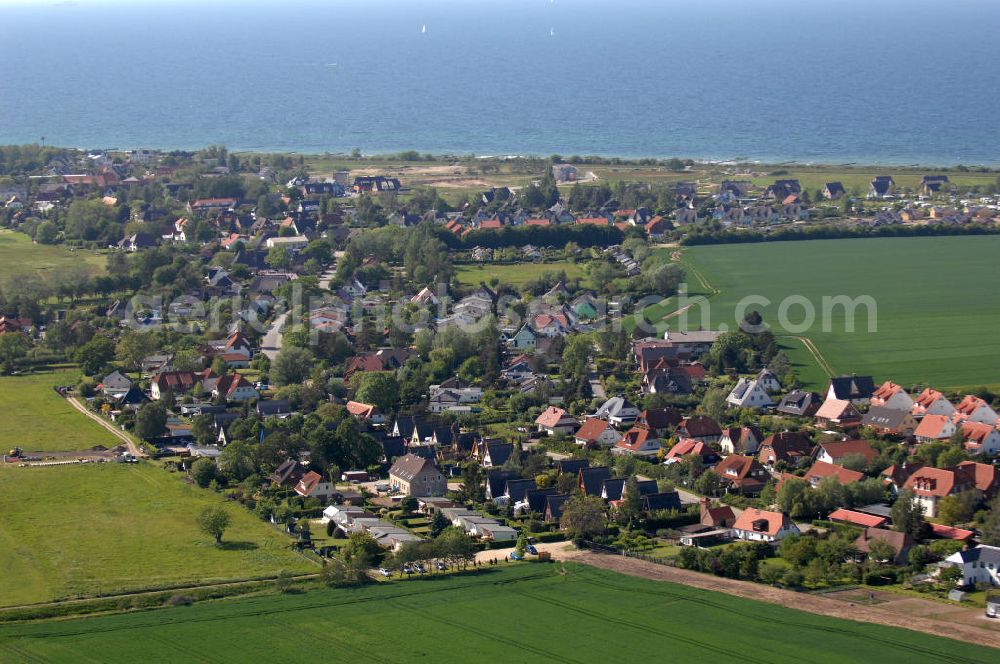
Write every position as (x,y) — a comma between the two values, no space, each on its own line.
(516,274)
(530,613)
(37,419)
(101,528)
(20,256)
(938,307)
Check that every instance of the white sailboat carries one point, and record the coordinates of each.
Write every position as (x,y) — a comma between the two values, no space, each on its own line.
(423,30)
(552,32)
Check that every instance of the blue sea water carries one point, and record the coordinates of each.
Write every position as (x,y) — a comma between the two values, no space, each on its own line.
(873,81)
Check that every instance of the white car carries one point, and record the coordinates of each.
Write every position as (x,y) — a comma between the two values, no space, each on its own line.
(384,572)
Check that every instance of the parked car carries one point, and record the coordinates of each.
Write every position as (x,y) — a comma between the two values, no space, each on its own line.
(441,566)
(384,572)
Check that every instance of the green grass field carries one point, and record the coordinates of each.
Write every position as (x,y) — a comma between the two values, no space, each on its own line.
(938,307)
(529,613)
(35,418)
(19,256)
(100,528)
(517,274)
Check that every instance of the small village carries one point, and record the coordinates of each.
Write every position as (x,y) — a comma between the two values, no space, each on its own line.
(359,396)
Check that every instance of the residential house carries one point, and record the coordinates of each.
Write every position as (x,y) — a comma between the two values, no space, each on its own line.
(365,412)
(595,433)
(700,428)
(686,446)
(833,191)
(891,395)
(637,441)
(934,427)
(791,447)
(312,485)
(554,421)
(856,389)
(740,440)
(881,186)
(838,451)
(234,387)
(493,453)
(900,542)
(715,517)
(524,338)
(890,421)
(768,380)
(115,384)
(979,438)
(854,518)
(838,412)
(742,474)
(288,473)
(799,403)
(279,409)
(754,525)
(932,402)
(979,565)
(931,485)
(932,184)
(618,411)
(554,506)
(590,480)
(495,482)
(414,475)
(975,409)
(659,420)
(820,470)
(749,394)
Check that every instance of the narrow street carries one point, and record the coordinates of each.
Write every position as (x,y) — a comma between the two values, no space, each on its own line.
(271,343)
(133,449)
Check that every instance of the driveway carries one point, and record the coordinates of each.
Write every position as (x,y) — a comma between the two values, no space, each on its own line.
(271,343)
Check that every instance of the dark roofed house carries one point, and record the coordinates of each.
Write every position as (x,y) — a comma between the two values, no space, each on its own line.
(900,542)
(611,488)
(890,420)
(799,404)
(554,506)
(700,428)
(496,482)
(881,186)
(856,389)
(669,500)
(517,489)
(572,466)
(833,191)
(536,498)
(792,447)
(591,480)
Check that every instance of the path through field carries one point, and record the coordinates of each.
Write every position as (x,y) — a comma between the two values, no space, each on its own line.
(133,449)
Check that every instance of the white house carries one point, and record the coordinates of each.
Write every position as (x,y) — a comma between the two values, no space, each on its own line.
(974,409)
(932,402)
(979,565)
(766,379)
(754,525)
(596,432)
(554,421)
(749,394)
(312,485)
(617,410)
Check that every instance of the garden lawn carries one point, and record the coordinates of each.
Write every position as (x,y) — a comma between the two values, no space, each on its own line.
(102,528)
(530,612)
(516,274)
(37,419)
(938,307)
(20,256)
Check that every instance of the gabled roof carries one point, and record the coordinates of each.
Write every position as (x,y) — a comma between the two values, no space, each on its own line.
(787,445)
(841,449)
(592,429)
(886,391)
(409,466)
(800,403)
(760,521)
(820,470)
(660,418)
(636,439)
(554,416)
(699,426)
(885,418)
(591,479)
(925,399)
(857,518)
(852,387)
(932,426)
(838,410)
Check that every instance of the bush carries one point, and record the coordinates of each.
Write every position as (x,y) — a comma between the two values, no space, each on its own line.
(180,600)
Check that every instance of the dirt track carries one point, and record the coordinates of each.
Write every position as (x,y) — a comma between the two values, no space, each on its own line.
(919,614)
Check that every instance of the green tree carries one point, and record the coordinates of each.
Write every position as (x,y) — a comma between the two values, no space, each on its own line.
(278,257)
(713,403)
(380,389)
(583,516)
(203,472)
(133,346)
(151,421)
(908,515)
(291,366)
(990,526)
(95,355)
(880,551)
(214,521)
(959,507)
(439,523)
(13,348)
(521,546)
(362,549)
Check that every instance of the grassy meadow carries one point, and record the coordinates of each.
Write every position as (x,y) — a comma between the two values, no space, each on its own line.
(530,613)
(517,274)
(20,256)
(37,419)
(102,528)
(938,307)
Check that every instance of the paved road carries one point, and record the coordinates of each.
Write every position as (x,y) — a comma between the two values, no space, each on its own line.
(118,433)
(271,343)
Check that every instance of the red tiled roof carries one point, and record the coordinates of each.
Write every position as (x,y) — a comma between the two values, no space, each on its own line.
(857,518)
(822,470)
(551,417)
(596,221)
(931,426)
(760,521)
(884,392)
(950,532)
(845,448)
(635,439)
(925,400)
(592,429)
(358,409)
